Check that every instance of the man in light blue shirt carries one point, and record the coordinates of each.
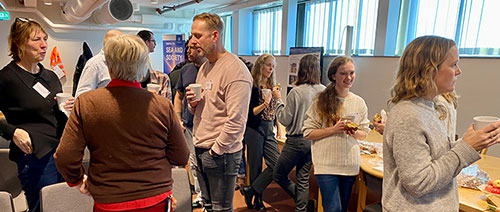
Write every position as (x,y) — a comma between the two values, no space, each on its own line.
(95,74)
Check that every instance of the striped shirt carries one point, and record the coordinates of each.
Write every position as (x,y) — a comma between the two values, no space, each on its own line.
(163,80)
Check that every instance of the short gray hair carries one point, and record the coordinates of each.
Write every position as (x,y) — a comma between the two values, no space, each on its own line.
(127,56)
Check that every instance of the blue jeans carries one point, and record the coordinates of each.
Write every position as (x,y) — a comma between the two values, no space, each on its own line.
(296,152)
(217,177)
(335,191)
(36,173)
(242,171)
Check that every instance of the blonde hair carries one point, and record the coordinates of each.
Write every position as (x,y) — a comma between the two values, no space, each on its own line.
(450,97)
(213,21)
(418,67)
(257,72)
(329,106)
(127,57)
(20,32)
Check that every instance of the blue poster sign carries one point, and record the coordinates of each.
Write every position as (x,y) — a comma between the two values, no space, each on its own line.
(173,51)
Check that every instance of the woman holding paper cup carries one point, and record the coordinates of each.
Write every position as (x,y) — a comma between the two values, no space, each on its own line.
(27,98)
(334,148)
(420,160)
(259,136)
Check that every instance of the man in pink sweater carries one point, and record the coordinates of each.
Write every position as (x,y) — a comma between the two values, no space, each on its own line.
(220,114)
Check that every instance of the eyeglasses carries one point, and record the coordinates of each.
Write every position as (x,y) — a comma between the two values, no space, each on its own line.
(154,41)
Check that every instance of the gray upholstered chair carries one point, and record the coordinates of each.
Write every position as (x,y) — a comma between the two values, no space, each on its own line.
(8,176)
(181,189)
(6,203)
(61,197)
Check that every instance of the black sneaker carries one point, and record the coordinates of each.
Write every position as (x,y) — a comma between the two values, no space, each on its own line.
(248,193)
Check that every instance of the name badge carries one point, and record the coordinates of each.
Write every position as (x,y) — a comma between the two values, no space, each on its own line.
(44,92)
(208,85)
(352,117)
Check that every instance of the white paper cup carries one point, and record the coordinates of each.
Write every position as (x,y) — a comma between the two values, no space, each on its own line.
(483,121)
(196,88)
(153,88)
(266,91)
(62,98)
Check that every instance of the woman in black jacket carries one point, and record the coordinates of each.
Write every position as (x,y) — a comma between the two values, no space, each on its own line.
(27,98)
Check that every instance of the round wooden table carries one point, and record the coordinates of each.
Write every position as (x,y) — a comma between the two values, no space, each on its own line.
(470,199)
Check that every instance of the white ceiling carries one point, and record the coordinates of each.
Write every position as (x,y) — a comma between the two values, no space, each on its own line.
(202,6)
(181,16)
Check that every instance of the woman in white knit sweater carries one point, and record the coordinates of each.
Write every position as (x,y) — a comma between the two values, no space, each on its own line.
(335,151)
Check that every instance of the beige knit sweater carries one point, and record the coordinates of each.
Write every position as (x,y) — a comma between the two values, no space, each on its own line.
(337,154)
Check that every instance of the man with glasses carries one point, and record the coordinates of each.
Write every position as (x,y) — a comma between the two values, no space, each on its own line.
(155,77)
(148,38)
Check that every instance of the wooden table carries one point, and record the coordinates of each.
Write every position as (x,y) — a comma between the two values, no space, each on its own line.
(367,167)
(470,199)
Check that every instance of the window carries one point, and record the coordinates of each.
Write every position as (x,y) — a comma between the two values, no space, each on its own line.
(228,30)
(479,27)
(437,18)
(471,23)
(325,22)
(267,31)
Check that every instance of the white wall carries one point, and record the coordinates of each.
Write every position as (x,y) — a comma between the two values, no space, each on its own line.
(69,45)
(478,86)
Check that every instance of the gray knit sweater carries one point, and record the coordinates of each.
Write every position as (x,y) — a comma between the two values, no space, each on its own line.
(420,163)
(299,99)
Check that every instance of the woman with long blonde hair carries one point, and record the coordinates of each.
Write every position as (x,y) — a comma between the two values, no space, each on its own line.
(259,136)
(335,150)
(421,161)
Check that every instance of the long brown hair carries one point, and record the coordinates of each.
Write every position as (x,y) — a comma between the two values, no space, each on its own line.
(329,105)
(309,70)
(257,72)
(418,67)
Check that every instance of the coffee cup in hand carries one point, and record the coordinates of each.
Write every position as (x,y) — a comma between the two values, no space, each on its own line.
(483,121)
(153,88)
(196,88)
(62,98)
(266,91)
(61,102)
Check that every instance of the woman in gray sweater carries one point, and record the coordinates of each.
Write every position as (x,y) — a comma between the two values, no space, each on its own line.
(297,150)
(420,161)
